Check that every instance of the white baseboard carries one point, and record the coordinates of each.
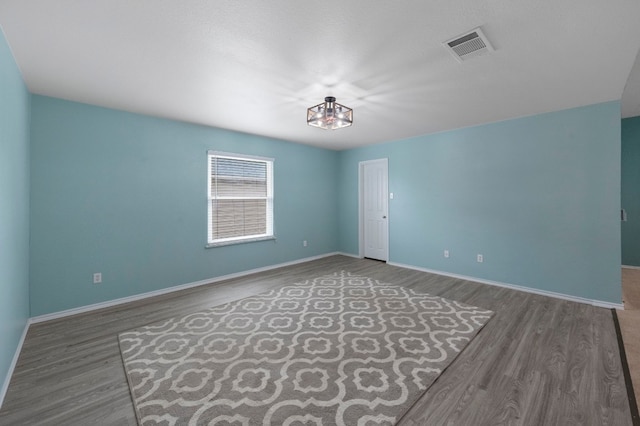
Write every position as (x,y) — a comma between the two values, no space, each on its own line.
(355,256)
(630,267)
(114,302)
(14,361)
(598,303)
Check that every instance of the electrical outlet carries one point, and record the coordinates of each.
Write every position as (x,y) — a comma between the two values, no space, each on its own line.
(446,253)
(480,258)
(304,243)
(97,278)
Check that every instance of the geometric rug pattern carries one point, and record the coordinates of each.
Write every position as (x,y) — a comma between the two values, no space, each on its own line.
(339,349)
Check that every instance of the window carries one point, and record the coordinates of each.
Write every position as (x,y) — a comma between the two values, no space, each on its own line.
(240,198)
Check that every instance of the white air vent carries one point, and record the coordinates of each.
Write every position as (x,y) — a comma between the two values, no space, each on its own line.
(473,43)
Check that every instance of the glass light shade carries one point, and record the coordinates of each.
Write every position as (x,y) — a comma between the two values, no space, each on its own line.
(329,115)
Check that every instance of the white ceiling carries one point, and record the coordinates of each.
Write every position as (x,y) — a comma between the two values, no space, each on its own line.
(630,104)
(255,65)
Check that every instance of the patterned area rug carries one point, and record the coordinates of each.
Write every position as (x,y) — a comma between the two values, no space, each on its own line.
(340,349)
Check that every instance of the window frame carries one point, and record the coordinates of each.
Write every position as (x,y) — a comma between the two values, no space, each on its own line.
(269,213)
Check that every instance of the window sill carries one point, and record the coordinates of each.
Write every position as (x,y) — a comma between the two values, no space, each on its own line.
(243,241)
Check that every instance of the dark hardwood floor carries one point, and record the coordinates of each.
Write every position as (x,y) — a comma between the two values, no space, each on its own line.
(539,361)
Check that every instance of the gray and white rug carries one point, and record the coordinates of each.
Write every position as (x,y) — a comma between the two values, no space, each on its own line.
(340,349)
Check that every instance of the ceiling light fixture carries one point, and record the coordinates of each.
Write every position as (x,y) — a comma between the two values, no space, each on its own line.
(329,115)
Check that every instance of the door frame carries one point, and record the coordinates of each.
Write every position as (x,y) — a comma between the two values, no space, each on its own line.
(361,165)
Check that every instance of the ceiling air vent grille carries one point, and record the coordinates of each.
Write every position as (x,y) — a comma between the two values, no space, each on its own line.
(469,45)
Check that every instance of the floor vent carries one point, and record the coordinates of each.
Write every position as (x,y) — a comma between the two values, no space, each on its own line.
(469,45)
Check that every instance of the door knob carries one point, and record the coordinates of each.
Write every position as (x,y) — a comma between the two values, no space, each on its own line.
(384,217)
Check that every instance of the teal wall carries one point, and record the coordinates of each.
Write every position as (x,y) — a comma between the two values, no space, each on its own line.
(14,207)
(631,191)
(539,197)
(125,195)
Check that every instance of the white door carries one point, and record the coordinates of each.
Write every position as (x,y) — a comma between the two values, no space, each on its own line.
(375,209)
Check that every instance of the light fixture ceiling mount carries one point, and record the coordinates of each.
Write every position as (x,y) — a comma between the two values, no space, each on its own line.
(329,115)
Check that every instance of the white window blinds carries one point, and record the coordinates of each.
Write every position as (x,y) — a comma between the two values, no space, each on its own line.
(240,198)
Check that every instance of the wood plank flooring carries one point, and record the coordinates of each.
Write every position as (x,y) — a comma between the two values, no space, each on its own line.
(539,361)
(630,324)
